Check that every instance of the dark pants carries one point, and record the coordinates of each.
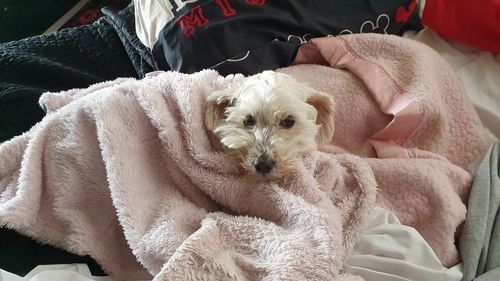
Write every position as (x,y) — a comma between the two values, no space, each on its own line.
(71,58)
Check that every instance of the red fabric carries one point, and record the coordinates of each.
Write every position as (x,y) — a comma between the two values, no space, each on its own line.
(473,22)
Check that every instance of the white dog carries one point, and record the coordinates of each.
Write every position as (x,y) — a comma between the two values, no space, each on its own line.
(268,120)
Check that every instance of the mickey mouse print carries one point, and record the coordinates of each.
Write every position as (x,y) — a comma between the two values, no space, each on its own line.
(249,36)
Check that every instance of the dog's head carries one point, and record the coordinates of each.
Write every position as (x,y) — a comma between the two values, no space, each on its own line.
(268,120)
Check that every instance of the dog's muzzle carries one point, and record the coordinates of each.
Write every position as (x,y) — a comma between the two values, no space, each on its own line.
(264,165)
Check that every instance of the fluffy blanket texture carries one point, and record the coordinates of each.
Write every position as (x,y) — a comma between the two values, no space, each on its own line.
(401,107)
(125,171)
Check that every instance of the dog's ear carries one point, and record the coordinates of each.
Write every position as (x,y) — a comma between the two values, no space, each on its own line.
(217,102)
(325,106)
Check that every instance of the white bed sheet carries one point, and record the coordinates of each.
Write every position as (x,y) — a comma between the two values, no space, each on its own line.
(55,272)
(478,70)
(390,251)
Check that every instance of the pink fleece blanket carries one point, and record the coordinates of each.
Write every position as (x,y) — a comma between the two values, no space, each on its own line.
(402,108)
(126,172)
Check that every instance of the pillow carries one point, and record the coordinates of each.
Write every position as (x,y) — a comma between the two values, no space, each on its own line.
(473,22)
(248,36)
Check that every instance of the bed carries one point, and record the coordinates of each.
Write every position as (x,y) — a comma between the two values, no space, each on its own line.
(386,250)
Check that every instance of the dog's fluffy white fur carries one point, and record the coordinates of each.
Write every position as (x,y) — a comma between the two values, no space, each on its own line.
(268,120)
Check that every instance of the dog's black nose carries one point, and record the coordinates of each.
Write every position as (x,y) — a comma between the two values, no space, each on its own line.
(264,165)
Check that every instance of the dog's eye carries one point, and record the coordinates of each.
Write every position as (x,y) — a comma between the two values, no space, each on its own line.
(287,122)
(249,122)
